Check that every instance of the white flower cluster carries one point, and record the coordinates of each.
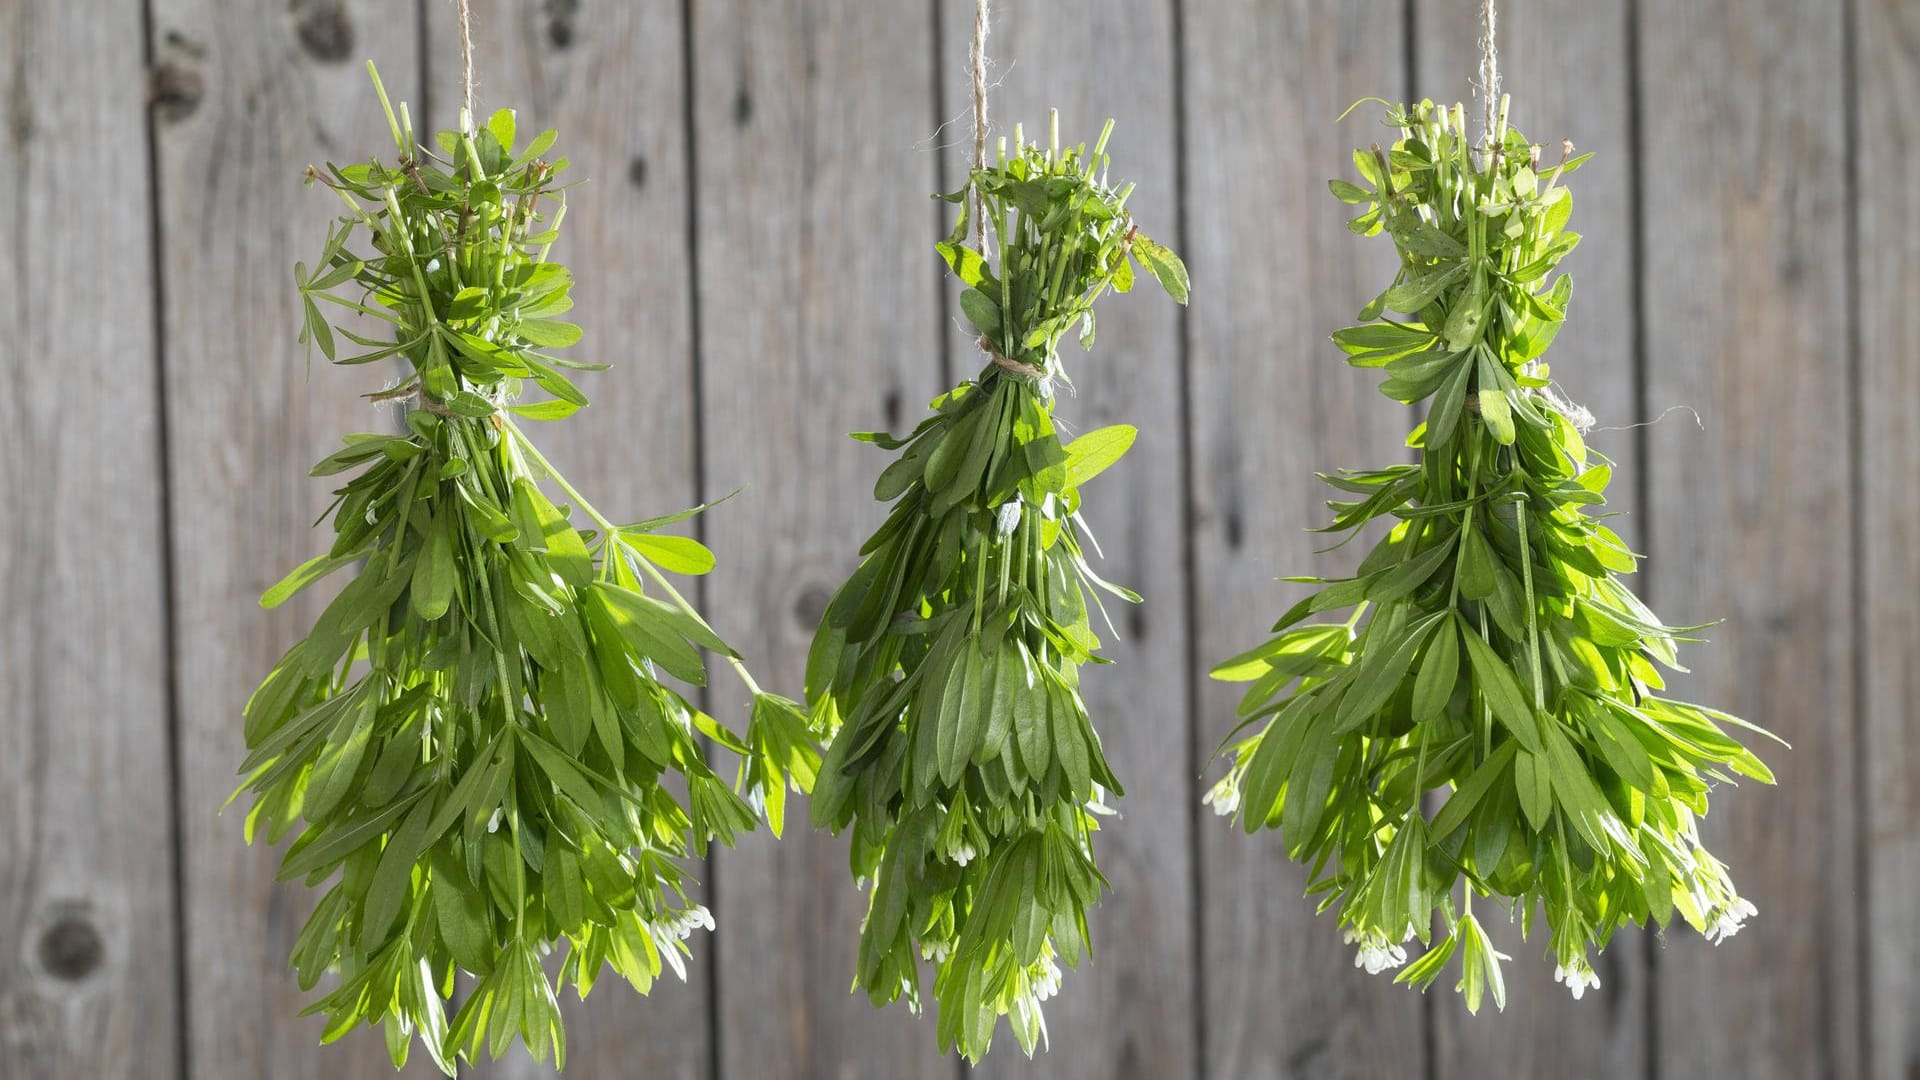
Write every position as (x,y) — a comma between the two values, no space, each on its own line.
(1047,983)
(1376,953)
(1578,976)
(682,925)
(936,951)
(961,853)
(1730,918)
(1224,796)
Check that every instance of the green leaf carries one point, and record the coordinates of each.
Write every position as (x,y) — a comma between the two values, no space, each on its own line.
(1476,566)
(434,575)
(1348,192)
(302,576)
(674,554)
(1468,795)
(388,892)
(1433,687)
(500,124)
(545,410)
(1502,692)
(652,632)
(1166,266)
(981,310)
(462,913)
(1495,411)
(548,333)
(1534,783)
(1412,295)
(338,766)
(1090,454)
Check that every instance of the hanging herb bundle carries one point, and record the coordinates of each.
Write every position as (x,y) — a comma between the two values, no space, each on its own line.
(473,739)
(948,665)
(1491,649)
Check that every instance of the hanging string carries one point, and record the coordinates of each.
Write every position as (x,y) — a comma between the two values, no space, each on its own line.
(1489,75)
(466,65)
(978,56)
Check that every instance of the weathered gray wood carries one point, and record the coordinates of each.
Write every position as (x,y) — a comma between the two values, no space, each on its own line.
(1887,82)
(86,858)
(1744,288)
(818,316)
(249,96)
(1275,271)
(607,75)
(1129,1012)
(1565,64)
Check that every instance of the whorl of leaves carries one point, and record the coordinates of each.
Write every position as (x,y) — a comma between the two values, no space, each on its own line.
(1491,651)
(471,743)
(948,665)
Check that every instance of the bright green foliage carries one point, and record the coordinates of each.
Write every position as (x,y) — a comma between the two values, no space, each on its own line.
(948,665)
(472,741)
(1491,649)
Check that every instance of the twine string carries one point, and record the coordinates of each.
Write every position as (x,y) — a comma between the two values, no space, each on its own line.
(466,65)
(1489,75)
(977,56)
(1007,363)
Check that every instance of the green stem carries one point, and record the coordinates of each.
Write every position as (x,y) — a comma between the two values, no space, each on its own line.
(1533,621)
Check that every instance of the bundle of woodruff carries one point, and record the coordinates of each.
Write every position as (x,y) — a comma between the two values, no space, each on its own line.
(1491,650)
(948,665)
(476,732)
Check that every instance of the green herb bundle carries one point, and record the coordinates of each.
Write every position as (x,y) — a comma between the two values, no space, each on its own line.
(947,667)
(474,739)
(1491,650)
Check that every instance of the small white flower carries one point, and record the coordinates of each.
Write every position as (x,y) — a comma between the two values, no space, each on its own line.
(1376,955)
(1224,797)
(683,923)
(1047,983)
(962,854)
(493,823)
(433,265)
(1579,977)
(1009,516)
(1730,920)
(936,951)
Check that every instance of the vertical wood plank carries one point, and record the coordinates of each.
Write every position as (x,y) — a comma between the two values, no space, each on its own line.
(1129,1010)
(818,316)
(86,856)
(1744,288)
(1886,83)
(1275,271)
(1565,63)
(607,74)
(249,95)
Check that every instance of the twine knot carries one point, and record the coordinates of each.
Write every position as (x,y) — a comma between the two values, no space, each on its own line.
(1007,363)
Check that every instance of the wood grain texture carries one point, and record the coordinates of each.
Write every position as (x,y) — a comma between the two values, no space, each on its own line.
(1129,1011)
(818,316)
(607,75)
(88,964)
(1886,83)
(254,94)
(1566,66)
(1744,288)
(1275,272)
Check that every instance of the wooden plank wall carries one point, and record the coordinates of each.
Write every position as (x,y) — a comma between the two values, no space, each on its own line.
(754,252)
